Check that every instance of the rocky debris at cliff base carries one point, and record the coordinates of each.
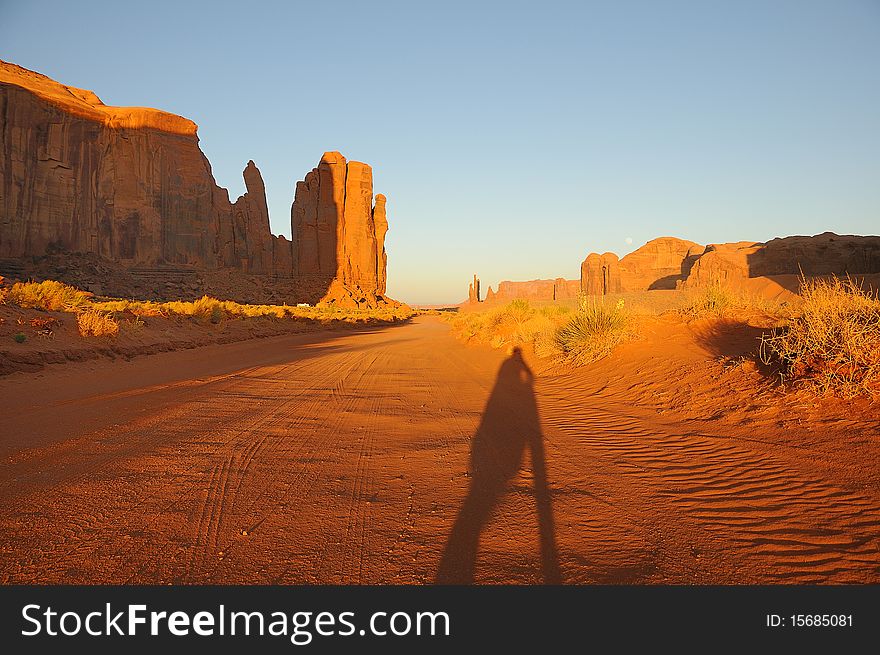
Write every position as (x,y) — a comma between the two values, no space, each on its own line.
(109,279)
(353,297)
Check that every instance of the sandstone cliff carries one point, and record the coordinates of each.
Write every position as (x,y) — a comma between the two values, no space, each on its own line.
(131,185)
(338,232)
(600,274)
(659,264)
(822,254)
(557,289)
(669,263)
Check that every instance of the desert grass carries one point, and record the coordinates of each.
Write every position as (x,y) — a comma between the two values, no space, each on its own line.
(50,296)
(513,324)
(104,318)
(212,310)
(720,301)
(95,323)
(833,345)
(593,332)
(575,337)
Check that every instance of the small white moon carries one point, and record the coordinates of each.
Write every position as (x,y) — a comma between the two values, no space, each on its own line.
(629,241)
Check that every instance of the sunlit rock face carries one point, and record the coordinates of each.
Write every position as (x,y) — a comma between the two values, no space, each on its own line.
(338,227)
(670,263)
(131,185)
(822,254)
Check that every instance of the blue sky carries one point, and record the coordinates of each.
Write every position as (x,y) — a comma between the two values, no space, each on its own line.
(510,138)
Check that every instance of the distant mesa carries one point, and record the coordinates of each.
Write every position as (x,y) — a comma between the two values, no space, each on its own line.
(822,254)
(671,263)
(131,187)
(557,289)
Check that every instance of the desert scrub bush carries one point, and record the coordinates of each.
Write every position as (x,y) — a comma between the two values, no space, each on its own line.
(95,323)
(593,332)
(554,311)
(714,300)
(498,326)
(539,330)
(833,345)
(718,301)
(19,337)
(516,323)
(465,326)
(49,296)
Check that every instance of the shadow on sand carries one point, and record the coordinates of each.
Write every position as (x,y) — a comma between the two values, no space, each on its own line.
(509,426)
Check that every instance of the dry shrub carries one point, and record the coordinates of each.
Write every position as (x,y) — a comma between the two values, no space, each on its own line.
(833,346)
(714,300)
(514,323)
(718,301)
(50,296)
(48,323)
(94,323)
(208,309)
(579,338)
(593,332)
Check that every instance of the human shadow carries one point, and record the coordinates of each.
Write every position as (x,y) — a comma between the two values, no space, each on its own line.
(509,426)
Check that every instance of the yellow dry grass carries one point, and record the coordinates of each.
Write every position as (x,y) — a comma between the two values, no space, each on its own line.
(833,344)
(101,318)
(576,337)
(593,332)
(515,323)
(719,301)
(49,296)
(211,310)
(95,323)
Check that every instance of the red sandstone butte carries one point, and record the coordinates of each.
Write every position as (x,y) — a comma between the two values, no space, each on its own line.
(132,186)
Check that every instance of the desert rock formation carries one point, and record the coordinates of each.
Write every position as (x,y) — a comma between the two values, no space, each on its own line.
(250,214)
(338,231)
(600,274)
(822,254)
(557,289)
(659,264)
(132,186)
(474,290)
(129,184)
(671,263)
(381,223)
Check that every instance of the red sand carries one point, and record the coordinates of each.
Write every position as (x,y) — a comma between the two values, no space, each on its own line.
(347,458)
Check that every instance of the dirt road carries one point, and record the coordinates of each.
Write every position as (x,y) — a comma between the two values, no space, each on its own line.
(399,455)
